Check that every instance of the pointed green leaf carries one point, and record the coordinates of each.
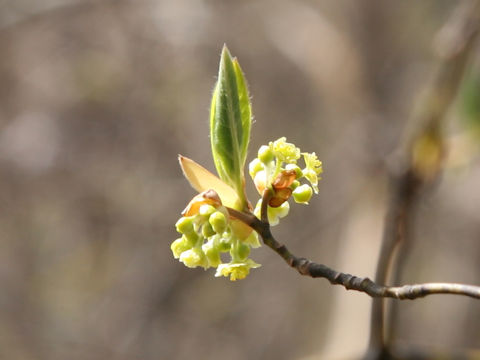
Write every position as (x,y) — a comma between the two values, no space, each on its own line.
(245,109)
(230,121)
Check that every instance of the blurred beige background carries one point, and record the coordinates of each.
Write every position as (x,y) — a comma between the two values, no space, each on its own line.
(97,98)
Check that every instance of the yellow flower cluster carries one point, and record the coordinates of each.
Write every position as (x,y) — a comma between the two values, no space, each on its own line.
(207,232)
(276,168)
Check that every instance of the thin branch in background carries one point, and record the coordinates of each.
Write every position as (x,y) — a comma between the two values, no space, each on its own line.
(404,190)
(420,169)
(307,267)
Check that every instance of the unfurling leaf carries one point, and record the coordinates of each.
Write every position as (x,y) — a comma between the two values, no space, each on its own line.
(230,122)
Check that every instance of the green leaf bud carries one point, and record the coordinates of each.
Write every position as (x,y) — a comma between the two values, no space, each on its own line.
(302,194)
(207,230)
(184,225)
(230,122)
(179,246)
(218,222)
(265,154)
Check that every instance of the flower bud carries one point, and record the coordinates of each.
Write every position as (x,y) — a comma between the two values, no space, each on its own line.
(224,245)
(242,251)
(218,222)
(259,181)
(302,194)
(206,210)
(265,154)
(254,167)
(207,230)
(212,253)
(191,237)
(184,225)
(179,246)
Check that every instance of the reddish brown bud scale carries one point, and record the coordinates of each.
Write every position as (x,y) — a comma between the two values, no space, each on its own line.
(281,187)
(280,197)
(284,179)
(209,197)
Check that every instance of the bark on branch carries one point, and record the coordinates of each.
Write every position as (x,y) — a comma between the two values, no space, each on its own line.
(350,282)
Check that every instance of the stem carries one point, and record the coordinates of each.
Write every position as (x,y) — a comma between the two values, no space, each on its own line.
(307,267)
(396,230)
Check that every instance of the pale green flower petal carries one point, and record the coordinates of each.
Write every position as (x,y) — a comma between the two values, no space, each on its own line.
(274,214)
(236,271)
(194,257)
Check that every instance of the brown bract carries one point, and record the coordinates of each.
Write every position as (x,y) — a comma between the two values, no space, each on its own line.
(281,187)
(208,197)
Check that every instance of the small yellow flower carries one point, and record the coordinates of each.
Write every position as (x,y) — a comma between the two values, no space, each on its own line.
(194,257)
(284,151)
(237,270)
(313,168)
(208,230)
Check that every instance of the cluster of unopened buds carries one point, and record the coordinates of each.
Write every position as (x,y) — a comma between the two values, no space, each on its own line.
(208,232)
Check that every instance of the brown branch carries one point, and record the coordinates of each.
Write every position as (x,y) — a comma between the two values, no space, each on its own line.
(350,282)
(405,188)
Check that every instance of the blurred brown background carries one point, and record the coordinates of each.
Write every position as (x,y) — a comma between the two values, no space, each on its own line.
(98,98)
